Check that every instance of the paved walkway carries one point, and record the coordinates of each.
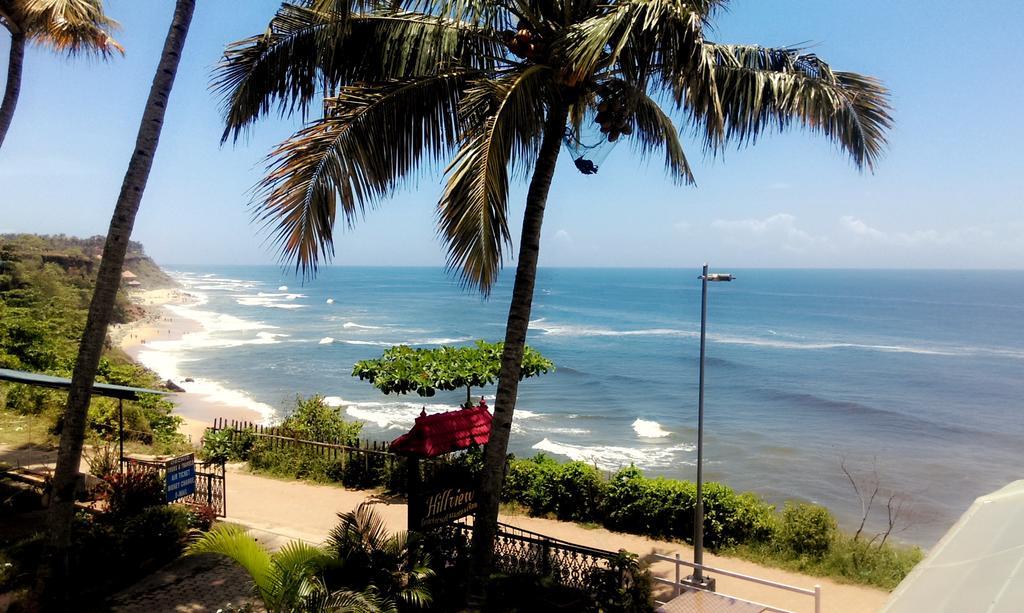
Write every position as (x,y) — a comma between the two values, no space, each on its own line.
(191,584)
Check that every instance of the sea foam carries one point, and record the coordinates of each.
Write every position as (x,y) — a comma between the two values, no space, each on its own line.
(353,325)
(649,429)
(613,457)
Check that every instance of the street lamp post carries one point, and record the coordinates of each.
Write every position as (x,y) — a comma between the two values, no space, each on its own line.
(698,578)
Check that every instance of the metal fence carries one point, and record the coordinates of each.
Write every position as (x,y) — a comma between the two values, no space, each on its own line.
(211,483)
(518,551)
(679,585)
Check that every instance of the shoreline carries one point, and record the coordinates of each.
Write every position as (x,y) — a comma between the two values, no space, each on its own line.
(160,324)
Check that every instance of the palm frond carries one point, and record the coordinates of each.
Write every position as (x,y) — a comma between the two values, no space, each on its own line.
(234,542)
(491,14)
(372,138)
(759,89)
(361,531)
(366,601)
(69,26)
(640,33)
(506,118)
(654,129)
(306,52)
(292,578)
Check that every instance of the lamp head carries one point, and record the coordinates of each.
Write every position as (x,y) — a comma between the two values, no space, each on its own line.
(719,276)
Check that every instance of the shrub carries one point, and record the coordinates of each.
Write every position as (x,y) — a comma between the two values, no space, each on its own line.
(103,461)
(657,507)
(226,445)
(575,491)
(216,446)
(623,588)
(807,529)
(200,517)
(313,419)
(132,491)
(154,535)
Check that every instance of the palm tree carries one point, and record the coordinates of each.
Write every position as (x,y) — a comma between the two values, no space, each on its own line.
(65,476)
(66,26)
(491,88)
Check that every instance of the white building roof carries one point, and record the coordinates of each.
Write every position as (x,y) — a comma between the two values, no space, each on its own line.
(977,566)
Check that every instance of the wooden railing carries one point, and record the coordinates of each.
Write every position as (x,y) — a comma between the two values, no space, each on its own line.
(373,456)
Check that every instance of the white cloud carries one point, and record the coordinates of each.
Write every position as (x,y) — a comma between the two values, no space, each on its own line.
(563,235)
(860,228)
(916,238)
(779,229)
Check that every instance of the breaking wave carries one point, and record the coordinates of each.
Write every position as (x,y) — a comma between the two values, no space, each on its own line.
(612,457)
(649,429)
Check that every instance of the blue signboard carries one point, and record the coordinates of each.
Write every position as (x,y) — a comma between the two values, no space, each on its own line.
(181,477)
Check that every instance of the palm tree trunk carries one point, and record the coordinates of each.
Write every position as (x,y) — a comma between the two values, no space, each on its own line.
(65,477)
(486,524)
(13,88)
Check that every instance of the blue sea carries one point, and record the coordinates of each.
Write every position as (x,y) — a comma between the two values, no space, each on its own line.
(913,376)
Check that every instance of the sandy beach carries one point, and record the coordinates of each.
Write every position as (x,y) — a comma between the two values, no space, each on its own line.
(161,324)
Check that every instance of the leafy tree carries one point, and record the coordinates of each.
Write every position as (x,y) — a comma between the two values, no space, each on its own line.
(403,369)
(491,88)
(108,279)
(314,420)
(66,26)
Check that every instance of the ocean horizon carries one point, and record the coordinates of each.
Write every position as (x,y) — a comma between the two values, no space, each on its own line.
(914,373)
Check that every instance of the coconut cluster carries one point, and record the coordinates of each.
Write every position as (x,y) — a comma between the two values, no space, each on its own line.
(613,117)
(524,42)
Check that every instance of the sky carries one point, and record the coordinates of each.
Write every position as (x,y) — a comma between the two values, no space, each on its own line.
(947,194)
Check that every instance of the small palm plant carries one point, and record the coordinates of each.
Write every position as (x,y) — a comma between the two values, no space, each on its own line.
(365,555)
(362,569)
(285,580)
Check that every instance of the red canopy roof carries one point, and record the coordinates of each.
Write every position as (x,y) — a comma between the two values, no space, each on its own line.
(441,433)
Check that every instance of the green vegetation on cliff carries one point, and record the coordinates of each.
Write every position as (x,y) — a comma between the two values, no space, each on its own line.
(45,286)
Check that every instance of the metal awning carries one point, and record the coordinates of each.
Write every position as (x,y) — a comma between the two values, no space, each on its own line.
(122,392)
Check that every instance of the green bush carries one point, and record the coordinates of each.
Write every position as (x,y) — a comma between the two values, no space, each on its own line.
(623,588)
(131,492)
(573,491)
(154,535)
(807,529)
(656,507)
(227,445)
(312,419)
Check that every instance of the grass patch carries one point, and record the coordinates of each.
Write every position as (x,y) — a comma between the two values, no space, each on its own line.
(846,561)
(21,430)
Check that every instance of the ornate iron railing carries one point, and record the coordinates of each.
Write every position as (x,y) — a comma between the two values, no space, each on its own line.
(518,551)
(211,483)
